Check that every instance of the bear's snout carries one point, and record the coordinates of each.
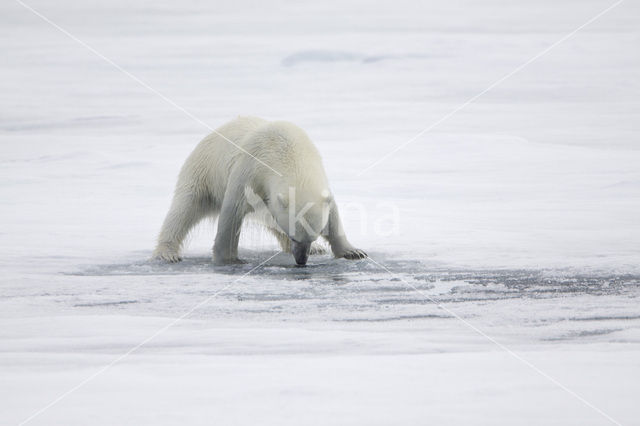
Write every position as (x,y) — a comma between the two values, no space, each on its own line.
(300,252)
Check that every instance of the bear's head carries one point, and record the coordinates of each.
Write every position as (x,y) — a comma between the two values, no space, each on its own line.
(302,214)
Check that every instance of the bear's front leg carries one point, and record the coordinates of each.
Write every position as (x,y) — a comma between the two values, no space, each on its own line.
(334,233)
(234,209)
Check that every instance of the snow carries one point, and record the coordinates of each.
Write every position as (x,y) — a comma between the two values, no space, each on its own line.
(518,214)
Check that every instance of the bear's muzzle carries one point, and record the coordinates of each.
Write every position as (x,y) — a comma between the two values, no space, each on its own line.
(300,252)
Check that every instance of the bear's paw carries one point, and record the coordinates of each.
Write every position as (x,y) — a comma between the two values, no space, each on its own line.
(354,254)
(167,254)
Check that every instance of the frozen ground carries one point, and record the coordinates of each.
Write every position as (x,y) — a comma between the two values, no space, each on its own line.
(519,214)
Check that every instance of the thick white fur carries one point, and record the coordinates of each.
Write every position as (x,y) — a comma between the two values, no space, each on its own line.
(220,179)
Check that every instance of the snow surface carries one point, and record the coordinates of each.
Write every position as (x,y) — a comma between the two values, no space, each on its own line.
(519,214)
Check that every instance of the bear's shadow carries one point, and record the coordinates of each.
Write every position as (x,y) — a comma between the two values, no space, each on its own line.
(280,266)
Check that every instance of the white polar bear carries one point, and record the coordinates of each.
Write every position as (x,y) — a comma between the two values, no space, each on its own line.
(251,166)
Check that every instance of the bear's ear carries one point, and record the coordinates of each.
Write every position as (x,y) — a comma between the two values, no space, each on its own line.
(326,195)
(283,200)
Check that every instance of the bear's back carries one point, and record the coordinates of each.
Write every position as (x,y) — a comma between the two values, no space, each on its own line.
(282,144)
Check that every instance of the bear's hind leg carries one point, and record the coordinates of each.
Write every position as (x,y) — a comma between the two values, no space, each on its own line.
(185,212)
(234,209)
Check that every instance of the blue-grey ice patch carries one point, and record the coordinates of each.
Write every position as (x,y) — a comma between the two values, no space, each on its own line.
(320,56)
(328,56)
(85,122)
(534,302)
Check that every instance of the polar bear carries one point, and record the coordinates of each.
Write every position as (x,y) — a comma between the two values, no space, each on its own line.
(253,167)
